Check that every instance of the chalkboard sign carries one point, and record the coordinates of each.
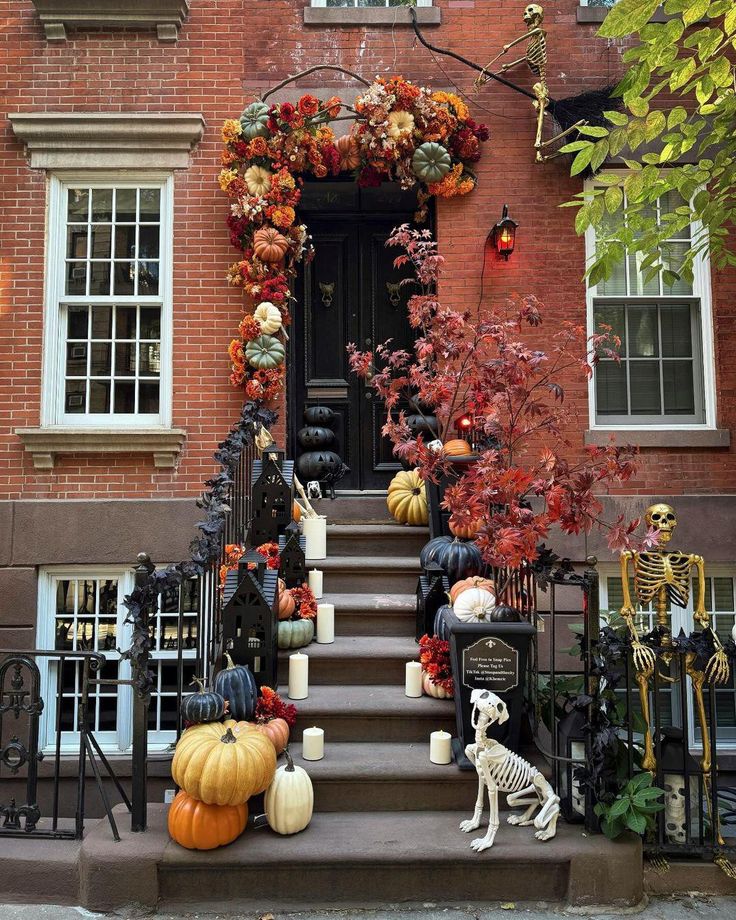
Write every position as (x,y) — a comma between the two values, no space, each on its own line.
(488,656)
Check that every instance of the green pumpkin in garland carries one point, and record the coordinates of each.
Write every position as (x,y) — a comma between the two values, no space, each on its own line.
(236,684)
(295,633)
(265,353)
(203,706)
(254,121)
(431,162)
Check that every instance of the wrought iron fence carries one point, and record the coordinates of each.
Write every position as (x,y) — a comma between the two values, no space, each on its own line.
(21,708)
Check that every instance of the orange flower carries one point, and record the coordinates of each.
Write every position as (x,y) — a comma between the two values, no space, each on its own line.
(236,353)
(308,105)
(258,147)
(283,217)
(333,106)
(231,130)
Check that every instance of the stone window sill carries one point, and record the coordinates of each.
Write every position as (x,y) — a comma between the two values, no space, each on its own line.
(335,16)
(588,15)
(166,16)
(718,437)
(44,444)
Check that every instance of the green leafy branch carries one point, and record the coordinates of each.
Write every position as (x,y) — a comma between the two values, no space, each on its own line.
(633,808)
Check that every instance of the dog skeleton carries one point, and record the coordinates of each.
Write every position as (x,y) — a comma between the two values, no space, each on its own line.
(500,770)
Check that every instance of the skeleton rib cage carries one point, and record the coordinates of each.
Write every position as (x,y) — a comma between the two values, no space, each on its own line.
(669,570)
(536,54)
(513,773)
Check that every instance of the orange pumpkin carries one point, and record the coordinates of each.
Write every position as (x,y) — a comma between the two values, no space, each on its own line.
(349,152)
(197,826)
(457,448)
(474,581)
(277,730)
(270,245)
(464,531)
(297,512)
(287,604)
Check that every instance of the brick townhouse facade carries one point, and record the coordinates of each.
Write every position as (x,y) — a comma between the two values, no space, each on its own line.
(114,246)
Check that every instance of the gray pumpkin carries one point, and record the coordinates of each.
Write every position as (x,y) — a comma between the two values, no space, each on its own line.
(431,162)
(254,121)
(295,633)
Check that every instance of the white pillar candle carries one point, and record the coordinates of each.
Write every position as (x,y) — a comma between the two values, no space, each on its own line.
(315,536)
(315,583)
(298,676)
(413,678)
(325,623)
(313,743)
(440,747)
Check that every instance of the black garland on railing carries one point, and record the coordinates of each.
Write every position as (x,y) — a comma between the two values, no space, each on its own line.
(204,549)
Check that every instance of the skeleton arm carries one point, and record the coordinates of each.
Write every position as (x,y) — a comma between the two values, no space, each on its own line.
(700,614)
(627,610)
(505,50)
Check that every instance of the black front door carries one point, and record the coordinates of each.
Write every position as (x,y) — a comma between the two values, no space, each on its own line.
(349,293)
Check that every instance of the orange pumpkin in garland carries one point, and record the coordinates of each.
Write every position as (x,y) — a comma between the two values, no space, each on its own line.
(457,448)
(349,153)
(270,245)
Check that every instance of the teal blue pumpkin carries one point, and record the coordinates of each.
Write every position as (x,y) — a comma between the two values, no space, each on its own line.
(431,162)
(254,120)
(265,353)
(295,633)
(236,684)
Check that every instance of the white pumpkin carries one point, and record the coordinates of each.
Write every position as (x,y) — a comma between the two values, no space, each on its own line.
(258,180)
(268,316)
(474,605)
(439,693)
(289,799)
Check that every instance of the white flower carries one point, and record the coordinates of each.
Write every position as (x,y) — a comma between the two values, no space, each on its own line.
(258,180)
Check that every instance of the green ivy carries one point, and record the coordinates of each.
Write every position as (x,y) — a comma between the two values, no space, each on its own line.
(691,57)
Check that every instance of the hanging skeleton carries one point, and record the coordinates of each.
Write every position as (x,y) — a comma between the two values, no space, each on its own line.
(662,576)
(500,770)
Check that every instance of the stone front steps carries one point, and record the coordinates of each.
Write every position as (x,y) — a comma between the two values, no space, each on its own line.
(363,660)
(369,574)
(374,614)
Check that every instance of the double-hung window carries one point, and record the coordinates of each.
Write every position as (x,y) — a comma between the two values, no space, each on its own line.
(664,378)
(81,610)
(108,310)
(364,3)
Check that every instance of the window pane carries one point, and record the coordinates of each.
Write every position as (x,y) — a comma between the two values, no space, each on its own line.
(675,320)
(645,395)
(148,397)
(610,388)
(124,397)
(76,359)
(101,322)
(148,241)
(77,318)
(76,241)
(148,278)
(102,204)
(149,364)
(668,204)
(125,204)
(125,359)
(101,241)
(150,323)
(74,396)
(124,242)
(76,278)
(637,285)
(107,635)
(679,389)
(723,590)
(126,318)
(613,316)
(100,364)
(643,331)
(99,278)
(124,278)
(672,256)
(99,396)
(78,204)
(150,204)
(108,600)
(615,286)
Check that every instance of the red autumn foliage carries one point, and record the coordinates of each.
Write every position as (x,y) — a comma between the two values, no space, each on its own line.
(306,603)
(434,654)
(529,477)
(270,706)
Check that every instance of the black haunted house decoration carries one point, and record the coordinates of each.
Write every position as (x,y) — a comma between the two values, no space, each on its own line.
(272,490)
(293,560)
(249,620)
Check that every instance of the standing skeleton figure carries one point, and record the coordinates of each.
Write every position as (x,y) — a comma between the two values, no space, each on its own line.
(662,576)
(536,58)
(500,770)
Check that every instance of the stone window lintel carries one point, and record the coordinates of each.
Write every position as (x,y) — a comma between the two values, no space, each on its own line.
(166,16)
(44,444)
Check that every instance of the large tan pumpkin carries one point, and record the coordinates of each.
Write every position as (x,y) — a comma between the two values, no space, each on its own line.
(474,581)
(407,498)
(223,763)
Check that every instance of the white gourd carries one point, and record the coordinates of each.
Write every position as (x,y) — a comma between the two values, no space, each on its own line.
(289,800)
(474,605)
(268,316)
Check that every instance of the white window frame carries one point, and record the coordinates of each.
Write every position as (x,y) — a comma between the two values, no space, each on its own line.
(354,5)
(53,361)
(702,292)
(681,618)
(118,742)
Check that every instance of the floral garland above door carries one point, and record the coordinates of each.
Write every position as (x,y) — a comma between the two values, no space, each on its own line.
(401,132)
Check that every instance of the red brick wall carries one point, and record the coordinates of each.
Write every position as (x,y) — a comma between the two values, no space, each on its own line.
(228,50)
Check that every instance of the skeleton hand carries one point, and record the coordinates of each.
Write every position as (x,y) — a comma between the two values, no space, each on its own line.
(644,658)
(718,670)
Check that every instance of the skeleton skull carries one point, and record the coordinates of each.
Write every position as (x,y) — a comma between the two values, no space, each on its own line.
(662,518)
(492,707)
(533,15)
(675,815)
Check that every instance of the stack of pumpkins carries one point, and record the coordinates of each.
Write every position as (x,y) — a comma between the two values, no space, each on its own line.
(294,631)
(220,763)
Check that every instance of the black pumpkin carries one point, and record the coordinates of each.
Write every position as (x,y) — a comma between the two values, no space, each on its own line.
(458,559)
(314,437)
(441,621)
(502,613)
(317,464)
(318,415)
(202,706)
(422,424)
(237,686)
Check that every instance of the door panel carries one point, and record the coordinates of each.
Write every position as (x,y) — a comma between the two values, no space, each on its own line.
(348,293)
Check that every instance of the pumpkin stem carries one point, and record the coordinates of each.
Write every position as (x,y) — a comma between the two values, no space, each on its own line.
(289,762)
(228,737)
(230,664)
(199,681)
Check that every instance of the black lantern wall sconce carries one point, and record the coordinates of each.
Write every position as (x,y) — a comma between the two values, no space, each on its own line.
(502,238)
